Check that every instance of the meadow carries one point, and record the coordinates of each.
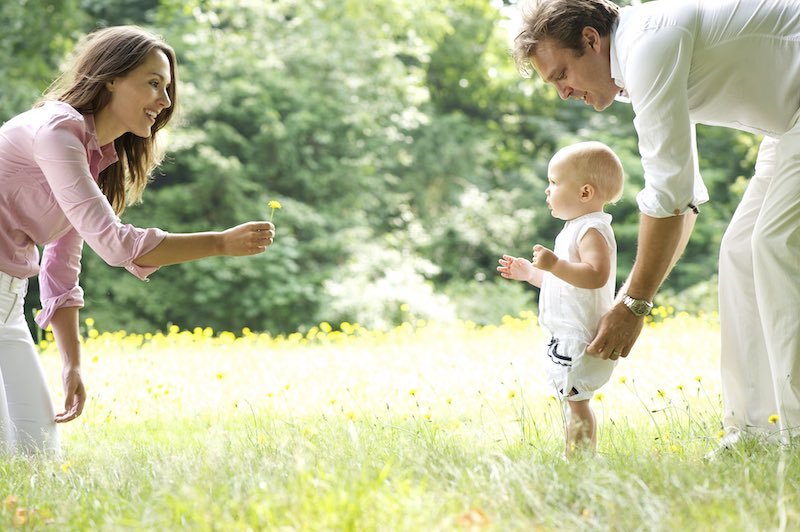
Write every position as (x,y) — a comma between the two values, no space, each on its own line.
(429,426)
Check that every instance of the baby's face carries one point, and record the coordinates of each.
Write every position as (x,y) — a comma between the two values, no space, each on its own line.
(563,192)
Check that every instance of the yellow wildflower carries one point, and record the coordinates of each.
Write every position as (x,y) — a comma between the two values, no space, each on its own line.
(774,418)
(274,205)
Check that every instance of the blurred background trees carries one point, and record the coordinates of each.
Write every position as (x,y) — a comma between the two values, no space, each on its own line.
(407,152)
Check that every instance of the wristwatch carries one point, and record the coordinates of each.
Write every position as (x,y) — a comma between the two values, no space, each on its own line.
(639,307)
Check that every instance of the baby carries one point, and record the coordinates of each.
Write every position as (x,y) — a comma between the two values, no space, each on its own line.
(577,278)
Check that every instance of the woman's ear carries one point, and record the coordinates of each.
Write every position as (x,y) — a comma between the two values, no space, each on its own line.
(110,86)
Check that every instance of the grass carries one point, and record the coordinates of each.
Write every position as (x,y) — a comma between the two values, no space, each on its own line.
(426,427)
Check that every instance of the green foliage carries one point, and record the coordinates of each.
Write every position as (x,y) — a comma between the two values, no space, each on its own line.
(36,36)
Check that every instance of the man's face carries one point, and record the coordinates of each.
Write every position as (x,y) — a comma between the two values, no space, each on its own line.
(586,77)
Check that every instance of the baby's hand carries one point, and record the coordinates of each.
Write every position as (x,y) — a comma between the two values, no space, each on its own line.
(515,268)
(543,258)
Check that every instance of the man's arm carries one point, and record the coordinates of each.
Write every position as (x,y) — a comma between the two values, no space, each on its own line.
(661,243)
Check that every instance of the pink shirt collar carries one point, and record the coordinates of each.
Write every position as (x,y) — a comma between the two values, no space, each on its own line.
(101,157)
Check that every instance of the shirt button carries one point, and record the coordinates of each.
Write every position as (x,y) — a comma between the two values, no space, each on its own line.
(676,212)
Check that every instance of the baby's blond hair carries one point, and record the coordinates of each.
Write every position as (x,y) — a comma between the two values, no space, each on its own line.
(596,164)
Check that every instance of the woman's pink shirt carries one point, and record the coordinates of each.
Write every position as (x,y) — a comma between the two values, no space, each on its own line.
(49,165)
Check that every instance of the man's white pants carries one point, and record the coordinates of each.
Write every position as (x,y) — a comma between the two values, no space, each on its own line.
(26,411)
(759,296)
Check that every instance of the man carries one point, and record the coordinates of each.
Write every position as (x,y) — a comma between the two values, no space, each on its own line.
(733,63)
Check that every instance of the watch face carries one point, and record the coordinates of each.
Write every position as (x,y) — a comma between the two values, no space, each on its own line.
(640,307)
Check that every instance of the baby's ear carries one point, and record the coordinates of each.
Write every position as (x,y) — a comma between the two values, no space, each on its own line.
(587,192)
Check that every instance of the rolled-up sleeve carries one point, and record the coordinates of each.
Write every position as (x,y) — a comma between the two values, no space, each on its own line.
(58,276)
(658,74)
(62,157)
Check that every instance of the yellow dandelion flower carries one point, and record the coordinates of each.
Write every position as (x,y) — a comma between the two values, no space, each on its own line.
(662,393)
(66,466)
(220,376)
(599,397)
(448,401)
(512,394)
(720,434)
(351,415)
(698,378)
(274,205)
(623,379)
(428,416)
(774,418)
(679,387)
(89,322)
(412,392)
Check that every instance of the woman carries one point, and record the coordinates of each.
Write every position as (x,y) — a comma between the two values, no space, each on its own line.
(68,168)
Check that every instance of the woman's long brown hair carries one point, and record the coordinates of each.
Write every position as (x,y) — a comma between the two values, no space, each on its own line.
(101,57)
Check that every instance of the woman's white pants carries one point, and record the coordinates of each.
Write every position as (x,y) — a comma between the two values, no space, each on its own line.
(26,411)
(759,296)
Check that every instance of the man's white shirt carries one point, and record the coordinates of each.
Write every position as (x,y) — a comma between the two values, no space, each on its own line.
(732,63)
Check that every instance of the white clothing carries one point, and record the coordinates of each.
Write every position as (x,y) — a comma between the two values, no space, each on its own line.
(26,411)
(759,296)
(734,63)
(570,314)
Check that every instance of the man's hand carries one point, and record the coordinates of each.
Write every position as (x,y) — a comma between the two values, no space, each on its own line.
(75,395)
(616,333)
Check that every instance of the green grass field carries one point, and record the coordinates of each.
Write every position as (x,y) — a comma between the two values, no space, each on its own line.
(426,427)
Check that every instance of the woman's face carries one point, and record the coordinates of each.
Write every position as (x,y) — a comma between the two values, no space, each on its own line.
(138,97)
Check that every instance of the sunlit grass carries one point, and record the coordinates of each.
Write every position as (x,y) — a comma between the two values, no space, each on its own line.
(425,427)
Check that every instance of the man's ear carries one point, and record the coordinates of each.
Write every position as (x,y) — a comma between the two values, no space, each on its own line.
(591,37)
